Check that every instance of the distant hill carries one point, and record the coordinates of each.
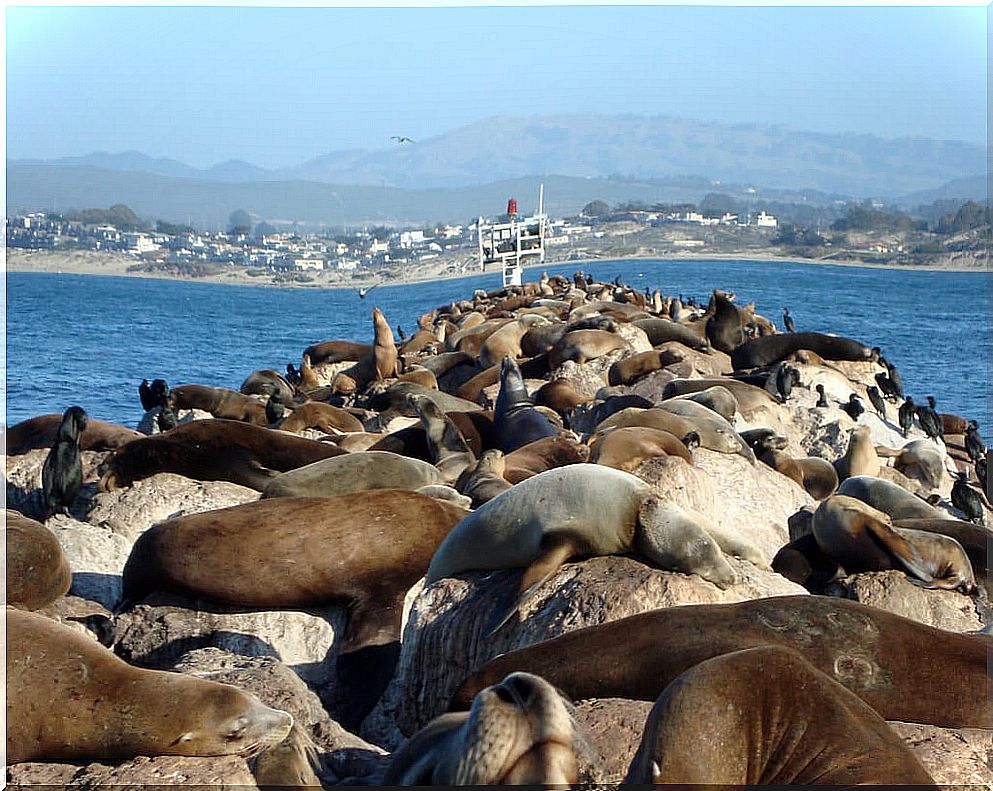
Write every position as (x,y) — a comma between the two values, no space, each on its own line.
(972,188)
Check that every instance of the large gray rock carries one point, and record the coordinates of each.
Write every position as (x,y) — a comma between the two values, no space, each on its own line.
(23,477)
(132,510)
(96,557)
(160,629)
(444,638)
(613,728)
(954,757)
(893,591)
(752,500)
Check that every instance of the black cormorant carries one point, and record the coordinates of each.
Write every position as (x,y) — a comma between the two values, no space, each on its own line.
(62,472)
(877,401)
(854,407)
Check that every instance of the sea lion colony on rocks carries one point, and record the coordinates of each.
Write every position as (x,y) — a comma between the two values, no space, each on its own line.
(623,452)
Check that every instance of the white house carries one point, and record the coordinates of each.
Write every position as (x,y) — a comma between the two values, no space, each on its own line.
(766,221)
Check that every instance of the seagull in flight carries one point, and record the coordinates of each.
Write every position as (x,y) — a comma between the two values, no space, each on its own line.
(400,139)
(364,291)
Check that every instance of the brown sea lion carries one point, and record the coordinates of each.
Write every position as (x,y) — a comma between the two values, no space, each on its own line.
(782,463)
(582,345)
(541,455)
(363,550)
(213,450)
(266,381)
(661,331)
(354,472)
(69,699)
(561,395)
(39,432)
(766,716)
(718,398)
(485,481)
(220,402)
(819,476)
(628,448)
(517,732)
(37,570)
(449,450)
(336,352)
(506,341)
(327,418)
(419,375)
(920,459)
(889,497)
(903,669)
(771,349)
(308,378)
(712,435)
(974,539)
(860,458)
(861,538)
(630,369)
(473,388)
(540,339)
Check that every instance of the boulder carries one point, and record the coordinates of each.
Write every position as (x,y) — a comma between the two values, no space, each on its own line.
(954,757)
(96,556)
(23,474)
(218,772)
(132,510)
(613,729)
(444,638)
(893,591)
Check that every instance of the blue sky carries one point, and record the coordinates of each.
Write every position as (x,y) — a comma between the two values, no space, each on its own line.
(278,86)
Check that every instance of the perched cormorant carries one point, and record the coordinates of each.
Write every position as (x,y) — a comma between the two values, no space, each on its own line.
(786,377)
(886,386)
(877,401)
(152,395)
(166,419)
(274,407)
(62,472)
(401,333)
(589,280)
(788,321)
(292,374)
(929,419)
(821,397)
(967,499)
(906,415)
(854,407)
(895,379)
(982,471)
(974,445)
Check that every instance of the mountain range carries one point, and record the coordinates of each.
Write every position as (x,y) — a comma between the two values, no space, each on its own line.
(471,170)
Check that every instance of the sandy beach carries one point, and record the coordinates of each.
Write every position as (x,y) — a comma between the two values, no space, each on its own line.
(90,262)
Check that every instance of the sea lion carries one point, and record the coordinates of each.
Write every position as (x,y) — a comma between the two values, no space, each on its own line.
(419,375)
(363,550)
(69,699)
(264,382)
(541,455)
(890,498)
(40,432)
(472,389)
(485,481)
(717,398)
(354,472)
(506,341)
(384,349)
(749,397)
(860,458)
(819,476)
(903,669)
(560,394)
(515,419)
(766,716)
(62,472)
(542,338)
(628,448)
(661,331)
(308,377)
(769,349)
(713,434)
(630,369)
(782,463)
(919,458)
(582,345)
(802,561)
(37,570)
(861,538)
(336,352)
(725,327)
(395,400)
(220,402)
(450,453)
(315,414)
(974,539)
(517,732)
(213,450)
(581,509)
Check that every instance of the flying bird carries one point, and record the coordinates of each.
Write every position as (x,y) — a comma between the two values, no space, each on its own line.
(364,291)
(401,140)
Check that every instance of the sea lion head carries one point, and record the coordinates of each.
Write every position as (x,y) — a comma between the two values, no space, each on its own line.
(519,732)
(492,461)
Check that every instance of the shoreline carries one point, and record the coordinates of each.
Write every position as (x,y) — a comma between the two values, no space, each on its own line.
(110,264)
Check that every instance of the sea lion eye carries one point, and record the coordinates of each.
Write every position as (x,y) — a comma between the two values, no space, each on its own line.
(237,729)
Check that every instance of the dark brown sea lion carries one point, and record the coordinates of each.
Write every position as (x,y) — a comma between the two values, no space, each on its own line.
(582,345)
(628,448)
(69,699)
(362,550)
(802,561)
(632,368)
(328,418)
(37,570)
(213,450)
(725,327)
(39,432)
(543,454)
(561,395)
(515,419)
(770,349)
(903,669)
(308,378)
(661,331)
(749,397)
(518,732)
(766,716)
(336,352)
(819,476)
(975,539)
(861,538)
(220,402)
(266,381)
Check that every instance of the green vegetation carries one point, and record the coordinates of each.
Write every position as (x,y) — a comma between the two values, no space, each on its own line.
(173,229)
(970,216)
(240,223)
(865,218)
(118,215)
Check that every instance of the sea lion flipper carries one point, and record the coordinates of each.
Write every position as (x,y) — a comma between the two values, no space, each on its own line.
(902,550)
(555,551)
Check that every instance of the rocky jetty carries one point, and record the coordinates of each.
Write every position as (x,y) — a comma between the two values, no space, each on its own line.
(744,431)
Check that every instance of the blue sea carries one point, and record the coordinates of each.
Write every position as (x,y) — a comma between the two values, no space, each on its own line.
(88,340)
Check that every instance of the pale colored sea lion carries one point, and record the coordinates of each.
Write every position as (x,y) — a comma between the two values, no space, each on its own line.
(518,732)
(486,480)
(861,538)
(69,699)
(906,671)
(717,398)
(891,498)
(506,341)
(920,458)
(450,453)
(354,472)
(860,458)
(749,397)
(628,448)
(581,509)
(735,720)
(327,418)
(582,345)
(713,434)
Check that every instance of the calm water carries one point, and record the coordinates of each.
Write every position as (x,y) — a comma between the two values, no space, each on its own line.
(86,340)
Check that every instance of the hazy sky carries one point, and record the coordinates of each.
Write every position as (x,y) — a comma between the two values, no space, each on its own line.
(278,86)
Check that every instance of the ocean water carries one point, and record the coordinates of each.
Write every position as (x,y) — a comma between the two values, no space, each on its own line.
(86,340)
